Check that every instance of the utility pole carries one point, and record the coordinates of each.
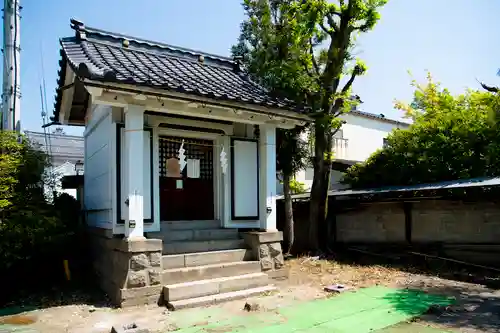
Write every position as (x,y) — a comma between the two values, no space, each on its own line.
(11,90)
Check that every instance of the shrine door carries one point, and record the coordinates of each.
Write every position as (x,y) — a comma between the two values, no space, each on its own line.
(186,194)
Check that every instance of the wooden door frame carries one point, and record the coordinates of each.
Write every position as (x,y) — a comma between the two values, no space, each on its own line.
(160,131)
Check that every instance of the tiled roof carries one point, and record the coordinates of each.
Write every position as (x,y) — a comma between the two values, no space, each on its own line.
(380,117)
(110,57)
(62,147)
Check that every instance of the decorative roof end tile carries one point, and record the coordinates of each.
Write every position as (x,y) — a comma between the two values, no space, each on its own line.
(79,28)
(238,60)
(109,75)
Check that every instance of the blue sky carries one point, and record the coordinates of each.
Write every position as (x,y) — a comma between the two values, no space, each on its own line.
(457,40)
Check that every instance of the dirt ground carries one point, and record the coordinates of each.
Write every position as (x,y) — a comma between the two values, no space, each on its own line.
(477,308)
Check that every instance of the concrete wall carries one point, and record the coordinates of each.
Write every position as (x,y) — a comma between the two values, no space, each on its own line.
(456,222)
(431,221)
(449,223)
(372,223)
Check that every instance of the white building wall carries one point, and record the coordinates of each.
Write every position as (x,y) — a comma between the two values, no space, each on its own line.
(356,141)
(99,160)
(55,176)
(67,169)
(364,135)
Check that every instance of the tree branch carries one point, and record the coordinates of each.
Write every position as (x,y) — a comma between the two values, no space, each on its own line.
(332,22)
(322,25)
(336,13)
(360,27)
(313,58)
(349,83)
(307,69)
(337,106)
(489,88)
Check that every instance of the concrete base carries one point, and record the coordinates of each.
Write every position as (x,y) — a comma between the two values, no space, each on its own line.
(219,298)
(266,248)
(128,271)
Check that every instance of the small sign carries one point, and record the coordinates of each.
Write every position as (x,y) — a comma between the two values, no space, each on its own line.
(193,168)
(178,184)
(269,201)
(131,223)
(173,168)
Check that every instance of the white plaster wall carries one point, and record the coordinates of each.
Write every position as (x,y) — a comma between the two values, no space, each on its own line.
(65,169)
(364,136)
(98,197)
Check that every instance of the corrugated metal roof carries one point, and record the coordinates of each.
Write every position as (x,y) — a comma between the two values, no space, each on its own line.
(453,184)
(461,183)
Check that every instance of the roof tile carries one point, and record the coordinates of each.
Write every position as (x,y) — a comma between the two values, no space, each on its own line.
(98,55)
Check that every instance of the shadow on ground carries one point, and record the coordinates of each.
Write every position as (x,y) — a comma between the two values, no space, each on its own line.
(476,304)
(43,289)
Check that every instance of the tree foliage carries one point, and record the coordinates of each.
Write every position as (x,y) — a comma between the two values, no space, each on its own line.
(34,234)
(21,171)
(452,137)
(303,49)
(265,49)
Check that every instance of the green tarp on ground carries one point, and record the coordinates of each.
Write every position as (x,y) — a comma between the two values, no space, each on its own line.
(362,311)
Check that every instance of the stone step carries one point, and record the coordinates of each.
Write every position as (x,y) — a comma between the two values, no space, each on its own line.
(204,258)
(218,298)
(194,289)
(190,225)
(188,274)
(198,234)
(181,247)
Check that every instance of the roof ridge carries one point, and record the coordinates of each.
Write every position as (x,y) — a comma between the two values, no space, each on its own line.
(79,26)
(157,53)
(380,117)
(55,135)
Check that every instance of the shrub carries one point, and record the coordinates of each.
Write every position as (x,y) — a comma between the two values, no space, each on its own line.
(297,187)
(35,235)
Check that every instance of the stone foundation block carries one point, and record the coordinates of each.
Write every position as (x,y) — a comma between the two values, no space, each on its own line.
(266,248)
(128,271)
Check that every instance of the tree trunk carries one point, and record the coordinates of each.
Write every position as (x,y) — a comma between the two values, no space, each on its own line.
(289,225)
(318,205)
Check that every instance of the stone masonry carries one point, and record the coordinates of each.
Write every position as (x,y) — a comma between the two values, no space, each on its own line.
(432,221)
(372,223)
(129,272)
(456,222)
(266,247)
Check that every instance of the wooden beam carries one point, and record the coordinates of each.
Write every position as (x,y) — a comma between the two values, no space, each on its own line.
(173,106)
(67,96)
(157,93)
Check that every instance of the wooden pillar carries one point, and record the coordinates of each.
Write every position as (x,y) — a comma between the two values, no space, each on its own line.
(134,178)
(267,166)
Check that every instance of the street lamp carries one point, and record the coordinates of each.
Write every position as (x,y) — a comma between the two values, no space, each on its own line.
(78,167)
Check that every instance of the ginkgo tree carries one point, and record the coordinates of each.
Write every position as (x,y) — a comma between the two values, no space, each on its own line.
(303,50)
